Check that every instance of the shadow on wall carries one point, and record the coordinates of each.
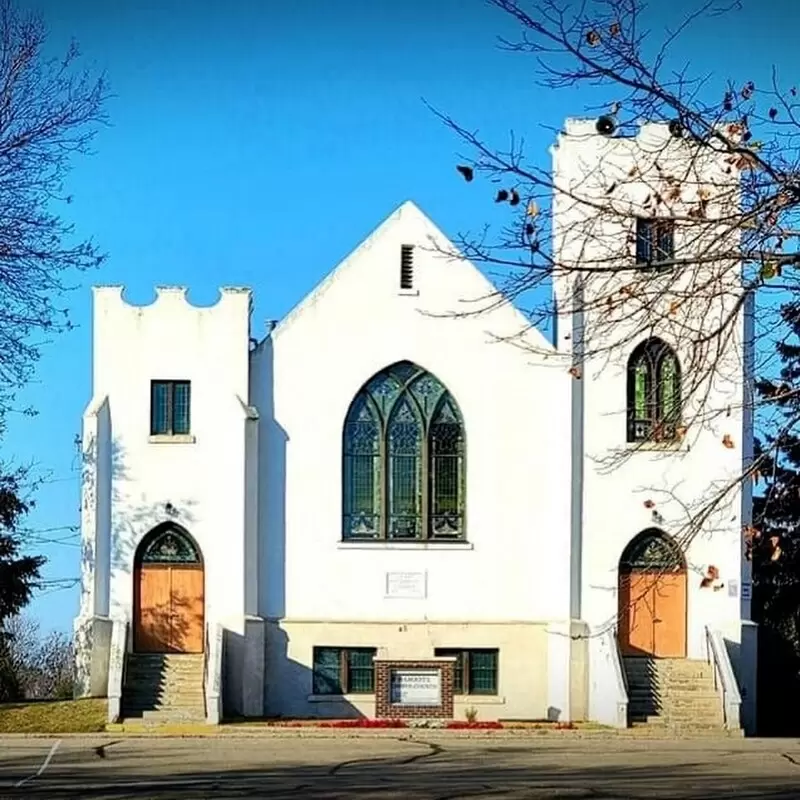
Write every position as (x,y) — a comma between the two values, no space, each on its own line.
(273,443)
(289,685)
(107,484)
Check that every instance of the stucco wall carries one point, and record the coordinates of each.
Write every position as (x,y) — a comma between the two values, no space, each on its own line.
(204,478)
(522,664)
(514,403)
(619,479)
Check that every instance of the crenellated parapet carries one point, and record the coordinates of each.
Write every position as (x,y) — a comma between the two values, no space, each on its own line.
(168,299)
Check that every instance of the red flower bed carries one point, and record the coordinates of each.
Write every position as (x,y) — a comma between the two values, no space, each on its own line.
(364,723)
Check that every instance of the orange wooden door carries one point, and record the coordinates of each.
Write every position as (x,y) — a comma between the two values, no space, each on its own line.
(186,634)
(652,614)
(636,614)
(669,629)
(169,609)
(153,610)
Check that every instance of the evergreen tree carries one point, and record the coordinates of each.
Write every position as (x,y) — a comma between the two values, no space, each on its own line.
(19,574)
(773,542)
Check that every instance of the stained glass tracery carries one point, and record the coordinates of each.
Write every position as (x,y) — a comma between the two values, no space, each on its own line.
(654,392)
(169,546)
(403,459)
(652,551)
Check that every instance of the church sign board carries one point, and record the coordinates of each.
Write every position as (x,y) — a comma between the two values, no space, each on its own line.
(420,688)
(416,687)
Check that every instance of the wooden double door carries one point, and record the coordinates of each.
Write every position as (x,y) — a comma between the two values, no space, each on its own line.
(169,603)
(652,614)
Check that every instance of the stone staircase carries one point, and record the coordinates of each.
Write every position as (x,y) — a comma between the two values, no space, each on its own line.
(674,696)
(163,688)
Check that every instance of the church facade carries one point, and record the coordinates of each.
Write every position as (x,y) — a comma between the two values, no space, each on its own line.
(386,474)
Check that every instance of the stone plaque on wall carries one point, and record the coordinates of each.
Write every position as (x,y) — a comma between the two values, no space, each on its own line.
(406,585)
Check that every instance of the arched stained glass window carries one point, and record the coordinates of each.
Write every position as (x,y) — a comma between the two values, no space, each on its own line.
(168,544)
(403,454)
(652,551)
(654,392)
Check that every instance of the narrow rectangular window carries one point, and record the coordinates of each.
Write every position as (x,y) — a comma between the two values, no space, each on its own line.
(475,670)
(360,670)
(655,242)
(327,671)
(170,403)
(343,670)
(406,266)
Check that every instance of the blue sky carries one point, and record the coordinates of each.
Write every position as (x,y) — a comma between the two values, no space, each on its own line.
(256,143)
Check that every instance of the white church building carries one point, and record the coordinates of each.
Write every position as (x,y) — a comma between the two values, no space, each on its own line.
(384,475)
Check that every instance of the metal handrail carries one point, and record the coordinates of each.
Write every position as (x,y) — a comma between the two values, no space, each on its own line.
(724,678)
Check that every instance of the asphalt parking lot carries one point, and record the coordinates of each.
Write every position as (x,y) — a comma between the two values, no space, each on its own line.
(424,768)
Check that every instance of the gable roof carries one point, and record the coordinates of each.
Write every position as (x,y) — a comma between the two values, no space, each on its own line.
(405,212)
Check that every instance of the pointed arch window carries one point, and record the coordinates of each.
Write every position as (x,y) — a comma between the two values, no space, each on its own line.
(652,551)
(403,459)
(168,544)
(654,392)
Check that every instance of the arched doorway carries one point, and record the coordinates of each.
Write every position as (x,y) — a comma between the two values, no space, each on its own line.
(169,604)
(652,597)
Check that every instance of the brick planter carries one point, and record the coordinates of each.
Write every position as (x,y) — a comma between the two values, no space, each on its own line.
(387,705)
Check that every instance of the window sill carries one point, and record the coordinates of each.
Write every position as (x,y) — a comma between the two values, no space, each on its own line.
(480,699)
(168,438)
(384,544)
(408,292)
(657,447)
(340,698)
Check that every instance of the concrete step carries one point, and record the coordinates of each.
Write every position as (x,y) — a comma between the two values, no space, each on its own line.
(675,731)
(674,690)
(667,686)
(704,672)
(179,662)
(129,709)
(154,702)
(160,691)
(671,721)
(138,688)
(169,683)
(165,716)
(700,700)
(155,673)
(649,732)
(189,688)
(664,663)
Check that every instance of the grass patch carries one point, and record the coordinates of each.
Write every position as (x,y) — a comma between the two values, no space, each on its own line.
(54,716)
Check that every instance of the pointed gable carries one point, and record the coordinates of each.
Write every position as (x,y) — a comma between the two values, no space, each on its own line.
(407,256)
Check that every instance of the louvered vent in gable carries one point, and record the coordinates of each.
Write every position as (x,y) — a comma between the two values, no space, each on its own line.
(406,266)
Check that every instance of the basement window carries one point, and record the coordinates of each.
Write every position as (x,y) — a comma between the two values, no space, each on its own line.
(343,670)
(475,670)
(406,267)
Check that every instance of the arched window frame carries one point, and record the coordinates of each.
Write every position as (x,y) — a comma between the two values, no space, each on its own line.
(653,395)
(145,552)
(428,400)
(652,550)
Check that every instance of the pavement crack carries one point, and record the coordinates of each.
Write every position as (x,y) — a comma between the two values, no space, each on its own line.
(100,751)
(335,769)
(790,759)
(433,750)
